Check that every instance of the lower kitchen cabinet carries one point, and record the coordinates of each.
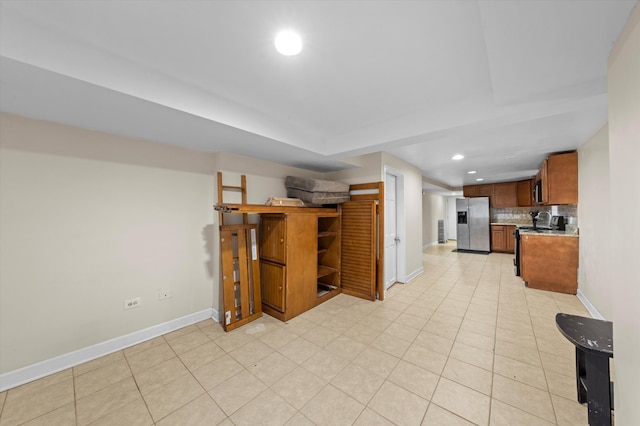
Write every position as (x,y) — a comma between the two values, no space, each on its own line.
(549,262)
(502,239)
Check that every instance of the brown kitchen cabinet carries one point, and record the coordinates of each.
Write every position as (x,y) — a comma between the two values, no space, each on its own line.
(559,179)
(510,238)
(505,194)
(549,262)
(484,190)
(299,261)
(502,239)
(525,192)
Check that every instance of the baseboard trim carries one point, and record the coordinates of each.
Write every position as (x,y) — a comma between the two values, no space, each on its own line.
(434,243)
(587,304)
(41,369)
(414,274)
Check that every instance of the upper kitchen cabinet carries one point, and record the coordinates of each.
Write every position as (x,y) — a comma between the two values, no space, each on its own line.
(525,193)
(505,194)
(501,195)
(485,190)
(559,179)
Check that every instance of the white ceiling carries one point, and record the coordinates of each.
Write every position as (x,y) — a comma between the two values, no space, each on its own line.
(502,82)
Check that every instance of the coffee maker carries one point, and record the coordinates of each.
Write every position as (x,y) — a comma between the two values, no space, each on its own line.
(557,223)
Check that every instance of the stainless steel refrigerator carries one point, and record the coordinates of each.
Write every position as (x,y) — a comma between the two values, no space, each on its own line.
(473,224)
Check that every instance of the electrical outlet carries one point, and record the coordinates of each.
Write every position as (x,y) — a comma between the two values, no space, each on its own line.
(164,294)
(132,303)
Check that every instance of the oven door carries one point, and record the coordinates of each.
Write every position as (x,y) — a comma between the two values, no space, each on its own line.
(516,259)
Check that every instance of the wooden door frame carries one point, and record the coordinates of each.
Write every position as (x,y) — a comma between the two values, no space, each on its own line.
(374,191)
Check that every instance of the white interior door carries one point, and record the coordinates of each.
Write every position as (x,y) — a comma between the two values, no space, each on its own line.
(390,231)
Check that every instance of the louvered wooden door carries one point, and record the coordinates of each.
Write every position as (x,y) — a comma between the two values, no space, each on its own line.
(358,277)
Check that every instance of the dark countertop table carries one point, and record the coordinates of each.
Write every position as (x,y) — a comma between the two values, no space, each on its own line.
(593,340)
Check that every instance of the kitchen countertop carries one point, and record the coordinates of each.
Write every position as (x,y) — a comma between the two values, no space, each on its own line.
(547,231)
(550,233)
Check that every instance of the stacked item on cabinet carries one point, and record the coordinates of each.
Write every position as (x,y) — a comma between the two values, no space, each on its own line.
(316,191)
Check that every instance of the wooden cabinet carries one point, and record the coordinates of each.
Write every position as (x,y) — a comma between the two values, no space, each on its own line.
(562,179)
(549,262)
(543,177)
(299,261)
(558,176)
(328,255)
(505,194)
(510,239)
(498,242)
(484,190)
(525,192)
(502,239)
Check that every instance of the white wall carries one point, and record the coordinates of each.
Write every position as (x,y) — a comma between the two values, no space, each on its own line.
(595,226)
(90,219)
(624,181)
(434,208)
(82,232)
(452,218)
(370,168)
(366,168)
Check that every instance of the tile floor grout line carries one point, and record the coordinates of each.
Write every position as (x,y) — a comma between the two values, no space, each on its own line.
(450,288)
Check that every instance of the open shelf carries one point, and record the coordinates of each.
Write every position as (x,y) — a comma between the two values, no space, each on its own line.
(323,271)
(327,234)
(324,289)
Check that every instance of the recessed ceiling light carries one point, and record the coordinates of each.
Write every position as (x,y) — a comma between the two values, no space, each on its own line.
(479,179)
(288,43)
(471,172)
(457,157)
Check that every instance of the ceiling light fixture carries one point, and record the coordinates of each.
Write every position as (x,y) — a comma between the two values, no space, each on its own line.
(472,172)
(479,179)
(457,157)
(288,43)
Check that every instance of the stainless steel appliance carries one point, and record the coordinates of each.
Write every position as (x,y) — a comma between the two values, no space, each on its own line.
(516,259)
(557,222)
(473,224)
(537,192)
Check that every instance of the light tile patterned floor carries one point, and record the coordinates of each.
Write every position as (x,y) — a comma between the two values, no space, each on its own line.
(464,343)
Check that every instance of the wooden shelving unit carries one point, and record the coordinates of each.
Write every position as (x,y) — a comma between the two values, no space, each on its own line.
(328,279)
(299,260)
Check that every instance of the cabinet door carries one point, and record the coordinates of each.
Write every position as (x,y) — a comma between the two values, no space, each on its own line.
(510,239)
(485,190)
(359,249)
(544,177)
(273,285)
(497,238)
(525,193)
(470,191)
(273,238)
(562,177)
(505,194)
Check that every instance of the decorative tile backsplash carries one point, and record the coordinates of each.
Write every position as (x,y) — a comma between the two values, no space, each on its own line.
(521,214)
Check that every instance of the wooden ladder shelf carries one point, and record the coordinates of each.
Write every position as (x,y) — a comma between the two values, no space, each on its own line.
(240,265)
